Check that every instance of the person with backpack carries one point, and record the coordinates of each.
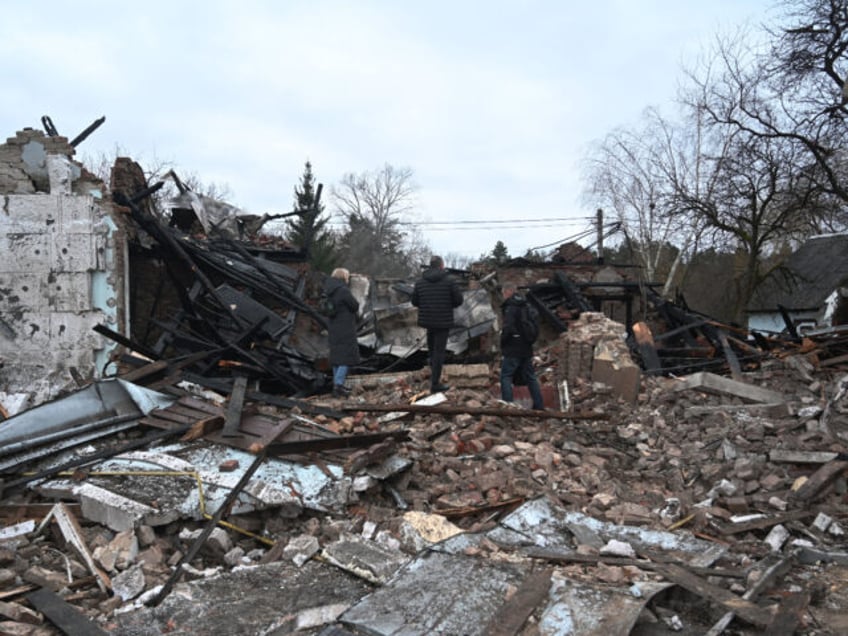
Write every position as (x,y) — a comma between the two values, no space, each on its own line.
(340,307)
(519,331)
(436,294)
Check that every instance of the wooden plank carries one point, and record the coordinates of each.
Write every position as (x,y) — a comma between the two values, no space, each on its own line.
(789,614)
(167,414)
(511,616)
(201,428)
(836,360)
(272,434)
(766,522)
(819,480)
(746,610)
(592,559)
(17,591)
(200,405)
(647,349)
(156,422)
(234,408)
(64,616)
(146,371)
(801,457)
(334,443)
(768,575)
(730,356)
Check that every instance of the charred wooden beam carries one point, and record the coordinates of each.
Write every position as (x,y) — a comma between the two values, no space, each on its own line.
(103,330)
(210,526)
(76,141)
(458,410)
(63,615)
(334,443)
(572,294)
(233,420)
(88,459)
(219,384)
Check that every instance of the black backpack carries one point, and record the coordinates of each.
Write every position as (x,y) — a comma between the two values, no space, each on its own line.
(526,323)
(326,306)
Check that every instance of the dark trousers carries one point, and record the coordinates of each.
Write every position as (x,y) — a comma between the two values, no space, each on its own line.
(509,366)
(437,343)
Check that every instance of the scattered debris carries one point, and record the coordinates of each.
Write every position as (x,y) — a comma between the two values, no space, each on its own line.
(209,482)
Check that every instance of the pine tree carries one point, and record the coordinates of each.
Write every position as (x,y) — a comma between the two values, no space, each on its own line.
(500,255)
(308,229)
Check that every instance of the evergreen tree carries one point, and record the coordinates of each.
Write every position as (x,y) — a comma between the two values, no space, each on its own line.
(500,255)
(308,229)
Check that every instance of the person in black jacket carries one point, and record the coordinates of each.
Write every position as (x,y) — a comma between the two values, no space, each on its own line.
(517,346)
(344,348)
(436,294)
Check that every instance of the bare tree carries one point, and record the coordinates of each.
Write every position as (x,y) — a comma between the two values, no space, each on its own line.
(374,206)
(793,91)
(634,173)
(762,192)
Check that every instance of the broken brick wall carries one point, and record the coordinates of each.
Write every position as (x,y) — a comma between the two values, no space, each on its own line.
(62,264)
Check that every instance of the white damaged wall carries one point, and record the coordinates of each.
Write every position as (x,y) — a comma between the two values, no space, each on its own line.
(62,259)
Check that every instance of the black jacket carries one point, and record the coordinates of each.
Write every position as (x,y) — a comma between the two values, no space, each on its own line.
(513,344)
(435,295)
(344,349)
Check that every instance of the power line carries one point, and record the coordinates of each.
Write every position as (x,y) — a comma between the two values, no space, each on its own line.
(498,221)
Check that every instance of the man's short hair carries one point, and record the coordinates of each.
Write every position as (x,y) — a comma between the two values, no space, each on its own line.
(436,261)
(341,273)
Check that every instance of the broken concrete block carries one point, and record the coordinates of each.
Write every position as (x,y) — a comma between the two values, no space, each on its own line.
(420,530)
(776,537)
(7,577)
(778,503)
(114,511)
(125,547)
(15,535)
(129,583)
(316,616)
(364,483)
(366,559)
(613,366)
(219,541)
(615,547)
(236,557)
(822,521)
(300,549)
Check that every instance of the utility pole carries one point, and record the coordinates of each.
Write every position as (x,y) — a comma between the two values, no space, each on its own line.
(600,236)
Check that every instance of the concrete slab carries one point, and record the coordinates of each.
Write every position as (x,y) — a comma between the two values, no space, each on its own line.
(539,524)
(276,598)
(594,610)
(437,593)
(717,384)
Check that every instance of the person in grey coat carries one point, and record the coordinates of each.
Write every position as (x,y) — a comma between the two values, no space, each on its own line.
(344,349)
(436,294)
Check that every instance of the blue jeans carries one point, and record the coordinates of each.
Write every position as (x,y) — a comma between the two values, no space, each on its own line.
(339,374)
(508,368)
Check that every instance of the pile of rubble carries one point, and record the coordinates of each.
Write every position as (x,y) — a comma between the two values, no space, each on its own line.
(705,505)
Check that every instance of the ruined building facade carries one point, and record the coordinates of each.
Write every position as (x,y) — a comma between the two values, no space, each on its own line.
(63,261)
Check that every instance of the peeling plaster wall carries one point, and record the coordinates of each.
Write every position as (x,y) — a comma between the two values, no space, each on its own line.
(62,260)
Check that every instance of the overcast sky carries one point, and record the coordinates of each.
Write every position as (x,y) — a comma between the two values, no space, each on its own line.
(492,104)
